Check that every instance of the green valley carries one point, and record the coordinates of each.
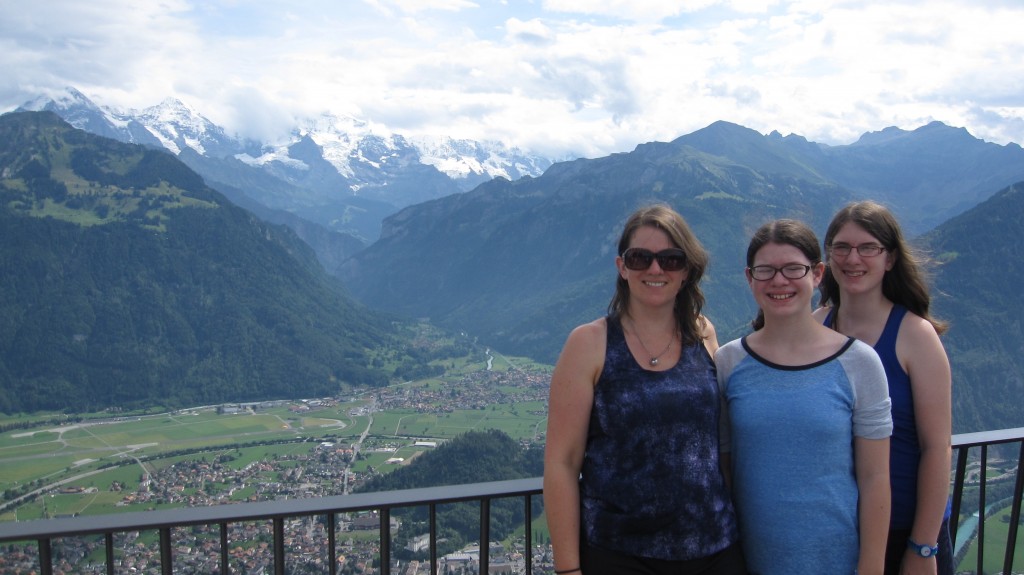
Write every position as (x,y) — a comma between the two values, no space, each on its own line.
(108,462)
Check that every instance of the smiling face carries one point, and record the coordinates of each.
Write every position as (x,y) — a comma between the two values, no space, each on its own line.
(856,273)
(780,295)
(652,286)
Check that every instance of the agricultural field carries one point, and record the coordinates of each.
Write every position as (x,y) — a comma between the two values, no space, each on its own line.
(88,465)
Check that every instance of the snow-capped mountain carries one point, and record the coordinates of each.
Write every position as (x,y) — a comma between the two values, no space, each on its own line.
(82,113)
(341,173)
(178,126)
(367,157)
(467,158)
(370,155)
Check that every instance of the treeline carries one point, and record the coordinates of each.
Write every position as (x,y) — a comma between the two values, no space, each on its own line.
(473,457)
(994,491)
(417,362)
(51,422)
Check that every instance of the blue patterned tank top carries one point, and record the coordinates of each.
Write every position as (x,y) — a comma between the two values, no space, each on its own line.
(651,484)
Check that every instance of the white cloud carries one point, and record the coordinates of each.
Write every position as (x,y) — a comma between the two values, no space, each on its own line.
(416,6)
(633,10)
(556,75)
(531,32)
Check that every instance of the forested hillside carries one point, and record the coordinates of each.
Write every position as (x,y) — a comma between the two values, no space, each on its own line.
(128,282)
(978,290)
(473,457)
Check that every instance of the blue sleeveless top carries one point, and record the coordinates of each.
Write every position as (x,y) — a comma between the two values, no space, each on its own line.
(650,484)
(904,449)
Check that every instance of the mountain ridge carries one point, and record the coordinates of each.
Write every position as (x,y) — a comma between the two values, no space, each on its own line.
(349,175)
(519,264)
(345,140)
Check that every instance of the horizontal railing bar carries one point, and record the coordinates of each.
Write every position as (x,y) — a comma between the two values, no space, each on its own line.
(988,437)
(264,510)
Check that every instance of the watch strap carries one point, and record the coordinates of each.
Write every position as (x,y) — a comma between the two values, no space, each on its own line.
(922,550)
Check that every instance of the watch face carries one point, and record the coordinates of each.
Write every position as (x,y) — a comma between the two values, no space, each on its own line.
(925,551)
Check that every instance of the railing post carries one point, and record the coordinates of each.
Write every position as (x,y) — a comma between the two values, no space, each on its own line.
(108,544)
(45,557)
(958,490)
(385,541)
(983,480)
(485,535)
(332,544)
(278,546)
(432,511)
(1011,537)
(166,561)
(225,566)
(528,533)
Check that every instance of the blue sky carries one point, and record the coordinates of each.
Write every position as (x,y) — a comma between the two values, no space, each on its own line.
(555,76)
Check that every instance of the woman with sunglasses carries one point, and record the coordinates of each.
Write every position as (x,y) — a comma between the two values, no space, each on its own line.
(807,423)
(632,482)
(874,290)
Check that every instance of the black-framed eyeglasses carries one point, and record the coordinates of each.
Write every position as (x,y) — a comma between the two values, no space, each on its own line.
(790,271)
(863,250)
(639,259)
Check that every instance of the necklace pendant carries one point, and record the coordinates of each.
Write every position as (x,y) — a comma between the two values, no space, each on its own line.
(654,361)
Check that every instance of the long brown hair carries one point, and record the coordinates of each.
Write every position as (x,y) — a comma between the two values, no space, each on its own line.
(905,284)
(690,299)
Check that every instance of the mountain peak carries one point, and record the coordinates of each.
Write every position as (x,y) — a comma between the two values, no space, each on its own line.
(176,111)
(939,129)
(932,130)
(67,99)
(176,106)
(720,136)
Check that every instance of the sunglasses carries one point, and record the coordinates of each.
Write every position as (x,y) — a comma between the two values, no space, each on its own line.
(639,259)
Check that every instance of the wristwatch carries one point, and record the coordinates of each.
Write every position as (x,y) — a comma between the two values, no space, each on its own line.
(922,550)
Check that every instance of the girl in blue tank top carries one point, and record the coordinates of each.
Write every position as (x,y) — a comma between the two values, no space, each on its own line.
(874,290)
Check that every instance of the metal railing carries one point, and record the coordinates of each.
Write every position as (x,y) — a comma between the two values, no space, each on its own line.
(44,532)
(981,442)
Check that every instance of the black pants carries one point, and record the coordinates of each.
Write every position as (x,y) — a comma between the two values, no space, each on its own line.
(596,561)
(897,546)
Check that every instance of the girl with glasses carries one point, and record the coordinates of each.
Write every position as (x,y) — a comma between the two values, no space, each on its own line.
(874,290)
(806,423)
(632,481)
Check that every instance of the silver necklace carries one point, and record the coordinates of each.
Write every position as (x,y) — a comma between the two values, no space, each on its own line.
(654,358)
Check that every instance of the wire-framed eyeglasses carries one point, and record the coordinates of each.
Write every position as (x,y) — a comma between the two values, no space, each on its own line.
(790,272)
(863,250)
